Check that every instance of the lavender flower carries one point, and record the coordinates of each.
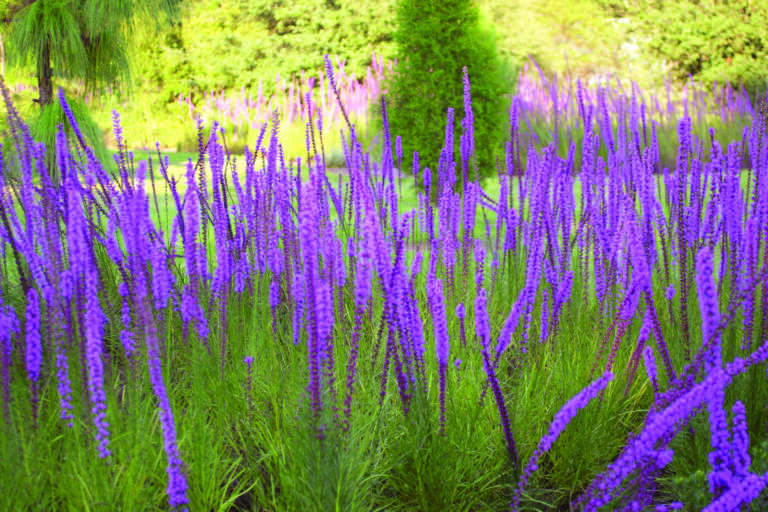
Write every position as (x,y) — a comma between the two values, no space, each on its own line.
(162,278)
(126,334)
(468,138)
(63,383)
(641,448)
(309,228)
(482,324)
(721,477)
(650,368)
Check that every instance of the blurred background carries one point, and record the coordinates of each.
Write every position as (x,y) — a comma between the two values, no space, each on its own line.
(236,61)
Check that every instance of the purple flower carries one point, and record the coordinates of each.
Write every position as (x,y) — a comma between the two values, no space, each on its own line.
(720,478)
(675,505)
(308,234)
(435,292)
(63,383)
(162,278)
(743,492)
(482,324)
(192,310)
(93,342)
(643,447)
(468,137)
(650,365)
(363,270)
(70,117)
(510,324)
(710,313)
(740,458)
(191,225)
(126,335)
(177,482)
(561,420)
(440,322)
(34,355)
(9,325)
(544,322)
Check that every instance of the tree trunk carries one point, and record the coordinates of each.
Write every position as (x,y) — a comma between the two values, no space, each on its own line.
(45,76)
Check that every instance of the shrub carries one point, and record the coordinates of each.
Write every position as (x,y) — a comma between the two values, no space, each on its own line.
(713,41)
(435,40)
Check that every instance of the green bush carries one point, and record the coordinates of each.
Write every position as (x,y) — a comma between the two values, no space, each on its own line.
(712,41)
(435,40)
(229,44)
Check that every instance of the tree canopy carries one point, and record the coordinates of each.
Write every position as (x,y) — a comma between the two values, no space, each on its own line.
(83,40)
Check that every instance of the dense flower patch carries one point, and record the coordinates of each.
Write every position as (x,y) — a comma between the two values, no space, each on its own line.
(97,289)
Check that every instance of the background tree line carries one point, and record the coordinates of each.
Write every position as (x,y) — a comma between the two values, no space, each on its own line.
(223,44)
(197,46)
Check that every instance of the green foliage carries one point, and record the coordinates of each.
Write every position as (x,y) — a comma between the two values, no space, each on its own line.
(228,44)
(44,125)
(87,40)
(76,42)
(435,41)
(561,35)
(618,8)
(713,41)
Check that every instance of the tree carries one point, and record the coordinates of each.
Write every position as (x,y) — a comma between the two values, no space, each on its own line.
(435,40)
(79,39)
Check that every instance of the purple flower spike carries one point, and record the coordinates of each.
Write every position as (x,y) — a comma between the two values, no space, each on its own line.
(710,313)
(177,481)
(740,458)
(561,420)
(308,235)
(437,302)
(9,325)
(742,493)
(460,313)
(34,354)
(93,341)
